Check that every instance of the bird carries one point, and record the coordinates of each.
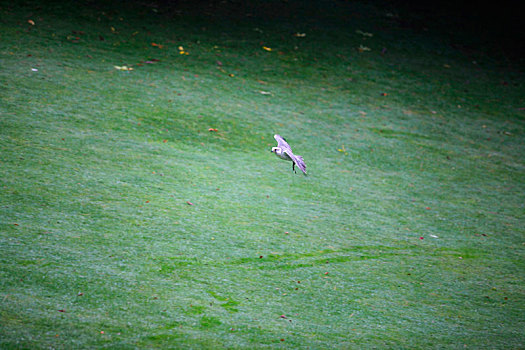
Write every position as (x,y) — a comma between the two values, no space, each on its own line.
(284,151)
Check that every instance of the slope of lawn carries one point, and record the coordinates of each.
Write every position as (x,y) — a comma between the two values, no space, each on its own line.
(126,223)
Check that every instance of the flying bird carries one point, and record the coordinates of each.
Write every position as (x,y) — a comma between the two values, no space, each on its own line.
(284,151)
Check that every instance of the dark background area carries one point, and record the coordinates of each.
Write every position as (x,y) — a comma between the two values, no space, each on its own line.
(493,27)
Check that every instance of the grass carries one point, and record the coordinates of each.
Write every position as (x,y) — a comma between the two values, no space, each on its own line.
(407,233)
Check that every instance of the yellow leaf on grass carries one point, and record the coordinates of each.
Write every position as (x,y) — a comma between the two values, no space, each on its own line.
(126,68)
(366,34)
(364,48)
(267,48)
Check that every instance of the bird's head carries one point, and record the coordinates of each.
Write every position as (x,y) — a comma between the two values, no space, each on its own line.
(276,150)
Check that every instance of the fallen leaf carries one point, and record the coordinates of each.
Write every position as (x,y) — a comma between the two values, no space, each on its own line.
(366,34)
(61,310)
(30,21)
(212,129)
(265,92)
(267,48)
(125,68)
(283,316)
(364,48)
(189,203)
(157,45)
(300,35)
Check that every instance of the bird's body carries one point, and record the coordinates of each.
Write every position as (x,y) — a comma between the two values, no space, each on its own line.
(284,151)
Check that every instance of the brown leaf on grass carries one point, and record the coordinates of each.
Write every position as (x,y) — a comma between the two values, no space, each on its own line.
(189,203)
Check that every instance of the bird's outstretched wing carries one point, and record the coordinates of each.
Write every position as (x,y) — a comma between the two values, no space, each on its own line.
(282,143)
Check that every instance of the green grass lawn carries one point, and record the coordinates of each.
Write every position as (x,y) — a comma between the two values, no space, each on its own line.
(126,223)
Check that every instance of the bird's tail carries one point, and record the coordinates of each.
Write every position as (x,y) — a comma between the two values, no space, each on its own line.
(303,165)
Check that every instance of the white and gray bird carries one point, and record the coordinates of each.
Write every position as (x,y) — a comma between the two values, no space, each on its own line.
(284,151)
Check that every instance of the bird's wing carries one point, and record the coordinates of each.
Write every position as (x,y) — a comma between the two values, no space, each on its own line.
(298,160)
(282,142)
